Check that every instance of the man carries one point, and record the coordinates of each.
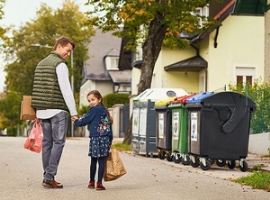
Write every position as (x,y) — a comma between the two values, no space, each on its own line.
(52,97)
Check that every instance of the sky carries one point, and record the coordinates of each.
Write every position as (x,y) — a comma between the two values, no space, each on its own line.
(18,12)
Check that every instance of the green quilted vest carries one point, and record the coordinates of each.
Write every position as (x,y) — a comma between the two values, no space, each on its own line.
(46,92)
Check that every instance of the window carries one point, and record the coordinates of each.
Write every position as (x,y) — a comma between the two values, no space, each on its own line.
(112,63)
(249,80)
(245,75)
(138,55)
(201,12)
(239,80)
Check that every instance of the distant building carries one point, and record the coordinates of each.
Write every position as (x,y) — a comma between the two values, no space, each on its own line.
(101,71)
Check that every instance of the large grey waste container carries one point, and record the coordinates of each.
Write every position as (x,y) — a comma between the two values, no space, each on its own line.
(144,118)
(219,126)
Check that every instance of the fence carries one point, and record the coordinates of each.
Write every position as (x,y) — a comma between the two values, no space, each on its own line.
(123,121)
(260,122)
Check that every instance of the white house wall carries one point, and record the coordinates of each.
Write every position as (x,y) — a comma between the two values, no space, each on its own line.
(240,44)
(104,87)
(172,79)
(186,80)
(84,90)
(135,74)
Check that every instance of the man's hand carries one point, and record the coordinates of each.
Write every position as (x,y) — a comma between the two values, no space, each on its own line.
(73,118)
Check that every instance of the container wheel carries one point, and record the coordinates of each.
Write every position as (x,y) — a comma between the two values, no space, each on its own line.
(221,163)
(169,158)
(231,164)
(212,161)
(207,166)
(186,160)
(244,166)
(177,158)
(161,155)
(195,163)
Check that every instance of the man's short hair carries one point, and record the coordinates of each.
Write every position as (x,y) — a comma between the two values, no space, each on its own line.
(63,41)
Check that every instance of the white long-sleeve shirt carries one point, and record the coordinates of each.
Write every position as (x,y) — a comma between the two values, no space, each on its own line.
(64,84)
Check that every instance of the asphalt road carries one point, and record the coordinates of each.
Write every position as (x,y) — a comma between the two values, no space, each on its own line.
(146,178)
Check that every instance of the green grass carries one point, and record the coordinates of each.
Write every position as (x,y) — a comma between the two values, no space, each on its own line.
(257,180)
(122,147)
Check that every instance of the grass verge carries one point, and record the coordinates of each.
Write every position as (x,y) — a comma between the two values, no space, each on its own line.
(122,146)
(257,180)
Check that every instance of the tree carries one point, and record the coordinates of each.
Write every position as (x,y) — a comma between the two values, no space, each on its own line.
(2,29)
(22,57)
(45,29)
(151,24)
(10,108)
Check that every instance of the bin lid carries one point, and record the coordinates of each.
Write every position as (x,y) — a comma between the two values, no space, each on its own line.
(229,99)
(181,99)
(199,97)
(155,94)
(164,102)
(238,104)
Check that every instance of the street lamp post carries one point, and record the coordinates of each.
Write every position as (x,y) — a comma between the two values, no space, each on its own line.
(72,78)
(42,46)
(72,87)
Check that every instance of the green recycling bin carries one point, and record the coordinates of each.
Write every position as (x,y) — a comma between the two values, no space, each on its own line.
(164,129)
(180,129)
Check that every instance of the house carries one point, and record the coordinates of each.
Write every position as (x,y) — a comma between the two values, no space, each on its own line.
(101,69)
(232,53)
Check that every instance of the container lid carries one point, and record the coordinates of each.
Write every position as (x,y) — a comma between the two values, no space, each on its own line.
(199,97)
(181,99)
(164,102)
(239,105)
(155,94)
(229,99)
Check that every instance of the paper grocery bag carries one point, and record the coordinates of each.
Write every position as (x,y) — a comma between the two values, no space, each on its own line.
(114,166)
(27,112)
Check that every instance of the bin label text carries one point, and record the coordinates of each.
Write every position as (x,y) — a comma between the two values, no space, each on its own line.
(175,125)
(193,127)
(135,122)
(161,125)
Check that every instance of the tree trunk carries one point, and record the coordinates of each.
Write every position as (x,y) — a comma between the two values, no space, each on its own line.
(267,45)
(151,50)
(128,134)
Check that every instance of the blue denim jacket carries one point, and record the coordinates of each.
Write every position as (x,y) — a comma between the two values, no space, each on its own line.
(98,120)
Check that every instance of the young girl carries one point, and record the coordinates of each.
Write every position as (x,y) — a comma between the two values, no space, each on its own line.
(101,136)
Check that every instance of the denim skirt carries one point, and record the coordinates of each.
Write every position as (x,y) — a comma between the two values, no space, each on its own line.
(99,146)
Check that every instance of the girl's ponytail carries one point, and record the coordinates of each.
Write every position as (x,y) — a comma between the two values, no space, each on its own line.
(108,113)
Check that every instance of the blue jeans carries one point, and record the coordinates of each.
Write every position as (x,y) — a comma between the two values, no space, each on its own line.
(54,139)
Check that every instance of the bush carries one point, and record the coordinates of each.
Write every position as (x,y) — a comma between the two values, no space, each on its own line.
(111,99)
(259,92)
(12,131)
